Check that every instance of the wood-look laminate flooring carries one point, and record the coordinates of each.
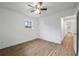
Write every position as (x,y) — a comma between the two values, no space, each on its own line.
(37,47)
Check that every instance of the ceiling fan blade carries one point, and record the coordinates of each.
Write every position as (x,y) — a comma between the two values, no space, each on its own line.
(43,9)
(31,6)
(32,10)
(40,3)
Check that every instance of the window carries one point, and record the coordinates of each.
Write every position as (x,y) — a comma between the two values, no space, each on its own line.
(28,24)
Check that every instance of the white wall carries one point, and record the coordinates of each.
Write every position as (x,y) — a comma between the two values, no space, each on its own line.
(0,27)
(78,7)
(50,26)
(12,28)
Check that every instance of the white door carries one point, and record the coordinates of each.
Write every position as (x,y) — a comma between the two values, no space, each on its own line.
(69,24)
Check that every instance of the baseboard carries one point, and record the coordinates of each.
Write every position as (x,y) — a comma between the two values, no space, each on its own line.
(16,44)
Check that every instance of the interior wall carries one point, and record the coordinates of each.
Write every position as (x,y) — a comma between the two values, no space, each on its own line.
(0,27)
(12,28)
(50,26)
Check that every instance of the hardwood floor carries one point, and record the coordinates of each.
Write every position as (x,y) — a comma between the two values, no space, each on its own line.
(37,47)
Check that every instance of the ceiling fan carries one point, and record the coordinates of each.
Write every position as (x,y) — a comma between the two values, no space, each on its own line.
(38,7)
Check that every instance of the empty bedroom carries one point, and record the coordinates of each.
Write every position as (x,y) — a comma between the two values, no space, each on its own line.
(38,28)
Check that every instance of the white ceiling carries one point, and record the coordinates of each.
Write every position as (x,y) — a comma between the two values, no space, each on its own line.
(52,7)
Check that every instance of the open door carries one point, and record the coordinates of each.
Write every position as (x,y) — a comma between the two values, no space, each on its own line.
(69,24)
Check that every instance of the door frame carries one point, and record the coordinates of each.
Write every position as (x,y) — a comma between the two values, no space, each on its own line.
(77,19)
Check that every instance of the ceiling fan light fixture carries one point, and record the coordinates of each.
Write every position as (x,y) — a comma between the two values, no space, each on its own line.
(38,7)
(37,11)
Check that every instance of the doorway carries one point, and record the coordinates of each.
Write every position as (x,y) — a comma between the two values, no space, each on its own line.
(69,24)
